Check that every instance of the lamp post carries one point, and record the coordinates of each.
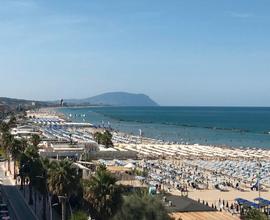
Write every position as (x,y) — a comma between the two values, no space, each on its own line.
(258,179)
(71,212)
(62,200)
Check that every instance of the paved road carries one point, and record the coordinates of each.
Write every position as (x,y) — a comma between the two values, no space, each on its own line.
(17,202)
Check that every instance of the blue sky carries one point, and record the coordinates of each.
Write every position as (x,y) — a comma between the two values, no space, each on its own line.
(179,52)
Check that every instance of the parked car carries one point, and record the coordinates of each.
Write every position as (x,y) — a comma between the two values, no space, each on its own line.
(3,207)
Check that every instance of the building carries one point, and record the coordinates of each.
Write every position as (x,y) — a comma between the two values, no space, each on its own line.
(25,131)
(64,149)
(184,208)
(59,150)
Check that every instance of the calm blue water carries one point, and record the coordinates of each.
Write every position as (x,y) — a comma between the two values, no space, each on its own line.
(231,126)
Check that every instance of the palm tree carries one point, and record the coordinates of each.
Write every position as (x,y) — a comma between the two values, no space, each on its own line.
(98,137)
(107,139)
(23,169)
(28,167)
(104,138)
(40,183)
(102,193)
(17,148)
(35,139)
(4,129)
(63,181)
(47,164)
(7,140)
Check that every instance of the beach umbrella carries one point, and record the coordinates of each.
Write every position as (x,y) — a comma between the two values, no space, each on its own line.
(141,178)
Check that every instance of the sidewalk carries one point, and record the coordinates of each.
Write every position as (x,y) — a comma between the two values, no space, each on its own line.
(17,203)
(36,208)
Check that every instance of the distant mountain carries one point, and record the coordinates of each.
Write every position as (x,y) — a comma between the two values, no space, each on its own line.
(115,99)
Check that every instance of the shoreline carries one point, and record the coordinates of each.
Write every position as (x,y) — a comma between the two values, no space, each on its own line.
(153,148)
(225,146)
(223,168)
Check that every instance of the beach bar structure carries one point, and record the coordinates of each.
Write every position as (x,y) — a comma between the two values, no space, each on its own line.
(260,204)
(246,203)
(264,204)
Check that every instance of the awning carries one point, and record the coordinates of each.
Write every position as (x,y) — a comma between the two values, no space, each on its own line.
(245,202)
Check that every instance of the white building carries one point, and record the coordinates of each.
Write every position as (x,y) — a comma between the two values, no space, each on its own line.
(66,150)
(25,131)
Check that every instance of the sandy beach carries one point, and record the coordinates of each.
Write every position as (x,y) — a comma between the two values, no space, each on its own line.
(210,173)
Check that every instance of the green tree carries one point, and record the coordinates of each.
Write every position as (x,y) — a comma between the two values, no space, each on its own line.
(102,193)
(63,181)
(12,120)
(40,183)
(97,137)
(35,139)
(23,169)
(7,140)
(104,138)
(48,164)
(29,168)
(4,127)
(107,139)
(254,214)
(79,215)
(17,148)
(141,206)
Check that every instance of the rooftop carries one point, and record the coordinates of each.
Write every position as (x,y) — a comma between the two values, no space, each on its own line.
(185,204)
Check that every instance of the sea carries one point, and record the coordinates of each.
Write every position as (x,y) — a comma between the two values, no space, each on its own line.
(220,126)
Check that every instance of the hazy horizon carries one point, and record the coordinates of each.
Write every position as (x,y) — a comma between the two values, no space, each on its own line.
(181,53)
(159,105)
